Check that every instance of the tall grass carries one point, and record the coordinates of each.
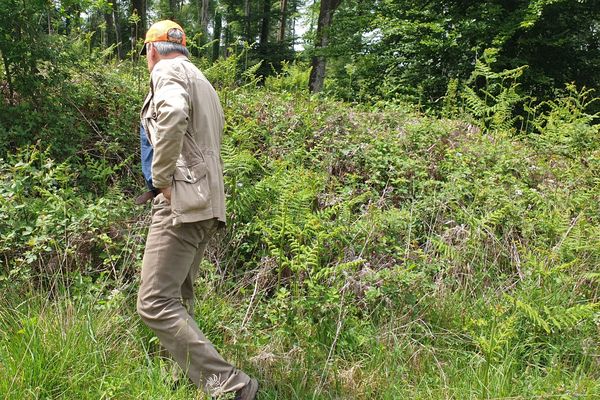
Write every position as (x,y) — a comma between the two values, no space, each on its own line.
(65,347)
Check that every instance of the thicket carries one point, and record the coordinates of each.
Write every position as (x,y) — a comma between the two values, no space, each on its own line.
(374,50)
(415,49)
(371,251)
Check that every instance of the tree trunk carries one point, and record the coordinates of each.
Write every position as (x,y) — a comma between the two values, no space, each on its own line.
(266,23)
(317,73)
(217,35)
(247,33)
(204,18)
(8,78)
(172,9)
(202,6)
(117,27)
(282,21)
(138,31)
(109,35)
(49,22)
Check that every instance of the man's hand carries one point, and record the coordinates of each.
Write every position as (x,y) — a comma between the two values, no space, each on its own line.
(167,193)
(144,198)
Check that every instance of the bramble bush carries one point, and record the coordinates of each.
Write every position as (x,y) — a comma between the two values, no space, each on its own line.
(51,228)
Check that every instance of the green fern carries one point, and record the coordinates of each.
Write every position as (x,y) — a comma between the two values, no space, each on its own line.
(494,103)
(530,312)
(564,125)
(554,319)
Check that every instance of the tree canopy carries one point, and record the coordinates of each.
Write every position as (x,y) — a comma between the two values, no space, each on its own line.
(385,49)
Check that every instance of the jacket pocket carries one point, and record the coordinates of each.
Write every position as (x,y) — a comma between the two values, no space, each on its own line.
(191,189)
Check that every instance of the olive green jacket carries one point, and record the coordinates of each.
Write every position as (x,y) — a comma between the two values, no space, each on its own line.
(184,122)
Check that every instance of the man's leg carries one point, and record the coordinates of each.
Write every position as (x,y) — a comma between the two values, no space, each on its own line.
(187,289)
(187,298)
(170,251)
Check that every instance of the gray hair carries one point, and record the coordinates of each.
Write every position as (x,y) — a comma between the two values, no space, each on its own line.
(165,48)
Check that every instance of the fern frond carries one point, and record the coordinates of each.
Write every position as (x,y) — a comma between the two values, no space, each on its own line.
(531,313)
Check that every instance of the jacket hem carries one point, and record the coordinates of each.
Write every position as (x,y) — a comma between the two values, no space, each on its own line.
(196,217)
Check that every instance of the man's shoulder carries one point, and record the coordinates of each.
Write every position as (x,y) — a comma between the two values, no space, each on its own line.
(170,67)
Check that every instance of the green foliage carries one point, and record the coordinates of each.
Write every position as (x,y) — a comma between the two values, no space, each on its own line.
(371,251)
(413,49)
(89,115)
(537,322)
(51,227)
(293,77)
(358,236)
(25,48)
(86,345)
(565,125)
(493,104)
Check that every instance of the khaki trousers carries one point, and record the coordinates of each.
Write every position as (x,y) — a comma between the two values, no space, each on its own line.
(169,268)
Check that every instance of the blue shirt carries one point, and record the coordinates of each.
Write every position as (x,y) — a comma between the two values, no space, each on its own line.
(147,154)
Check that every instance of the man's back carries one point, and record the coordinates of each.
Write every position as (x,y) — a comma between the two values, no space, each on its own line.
(185,104)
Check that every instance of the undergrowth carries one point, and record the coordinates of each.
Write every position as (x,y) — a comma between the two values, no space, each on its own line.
(371,252)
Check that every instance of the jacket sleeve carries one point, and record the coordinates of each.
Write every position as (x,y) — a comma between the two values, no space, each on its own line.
(172,112)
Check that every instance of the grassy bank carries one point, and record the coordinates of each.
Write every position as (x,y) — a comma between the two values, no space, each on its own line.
(371,252)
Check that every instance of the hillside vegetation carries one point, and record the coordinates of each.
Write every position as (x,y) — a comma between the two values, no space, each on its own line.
(371,252)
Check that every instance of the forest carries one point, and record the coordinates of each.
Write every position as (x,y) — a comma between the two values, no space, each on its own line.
(413,198)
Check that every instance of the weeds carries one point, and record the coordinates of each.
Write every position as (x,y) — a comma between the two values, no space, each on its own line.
(370,253)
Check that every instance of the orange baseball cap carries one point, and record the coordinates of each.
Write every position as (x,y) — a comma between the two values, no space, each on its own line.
(161,31)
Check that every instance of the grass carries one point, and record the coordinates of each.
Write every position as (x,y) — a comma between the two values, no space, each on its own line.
(67,346)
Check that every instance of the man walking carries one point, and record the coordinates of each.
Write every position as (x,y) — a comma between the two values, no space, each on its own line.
(183,121)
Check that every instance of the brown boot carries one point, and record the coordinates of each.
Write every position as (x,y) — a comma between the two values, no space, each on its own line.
(248,392)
